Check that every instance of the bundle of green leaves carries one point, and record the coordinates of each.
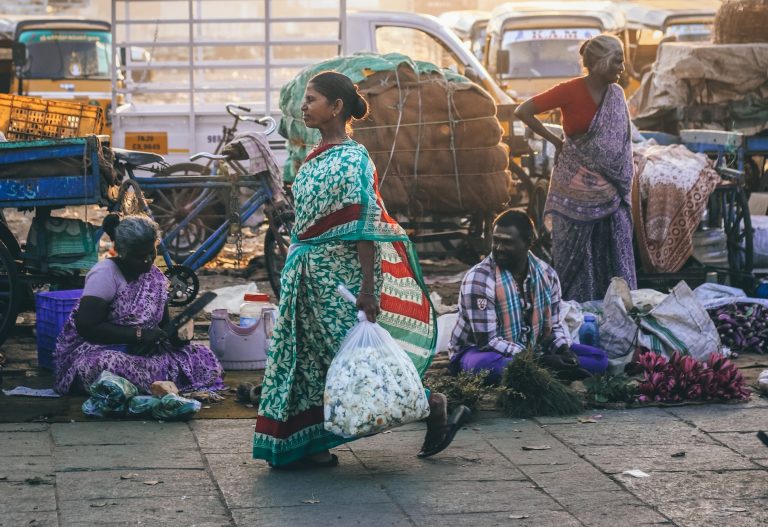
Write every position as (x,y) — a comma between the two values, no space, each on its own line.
(466,388)
(606,388)
(530,390)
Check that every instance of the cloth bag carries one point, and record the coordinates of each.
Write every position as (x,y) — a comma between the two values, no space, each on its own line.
(679,323)
(371,384)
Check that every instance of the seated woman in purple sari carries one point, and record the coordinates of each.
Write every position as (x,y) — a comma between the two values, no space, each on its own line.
(121,323)
(588,205)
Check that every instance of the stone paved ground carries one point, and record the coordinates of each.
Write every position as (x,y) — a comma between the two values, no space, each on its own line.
(71,474)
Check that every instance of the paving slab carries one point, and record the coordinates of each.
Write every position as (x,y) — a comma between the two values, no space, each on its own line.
(29,519)
(649,458)
(22,467)
(634,415)
(538,448)
(480,462)
(25,497)
(120,433)
(25,444)
(23,427)
(563,479)
(168,455)
(718,513)
(248,483)
(111,484)
(314,514)
(458,497)
(724,418)
(745,443)
(506,519)
(224,436)
(200,511)
(667,431)
(668,487)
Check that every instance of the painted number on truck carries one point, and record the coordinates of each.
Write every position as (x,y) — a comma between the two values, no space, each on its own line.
(155,142)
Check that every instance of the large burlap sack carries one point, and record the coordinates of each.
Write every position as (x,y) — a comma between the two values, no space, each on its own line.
(741,22)
(433,136)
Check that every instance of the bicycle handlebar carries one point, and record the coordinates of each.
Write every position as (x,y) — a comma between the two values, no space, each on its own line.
(268,121)
(208,155)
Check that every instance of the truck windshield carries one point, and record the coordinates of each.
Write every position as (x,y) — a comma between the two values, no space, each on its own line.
(690,32)
(544,52)
(67,54)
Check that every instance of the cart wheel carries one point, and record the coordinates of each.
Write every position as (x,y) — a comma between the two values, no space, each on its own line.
(171,206)
(737,224)
(10,290)
(183,287)
(274,253)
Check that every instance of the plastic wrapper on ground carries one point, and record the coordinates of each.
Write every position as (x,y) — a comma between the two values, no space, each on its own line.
(109,396)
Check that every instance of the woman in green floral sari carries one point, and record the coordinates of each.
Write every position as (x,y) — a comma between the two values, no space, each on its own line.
(342,235)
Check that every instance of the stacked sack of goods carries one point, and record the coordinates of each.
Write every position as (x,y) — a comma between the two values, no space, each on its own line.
(432,134)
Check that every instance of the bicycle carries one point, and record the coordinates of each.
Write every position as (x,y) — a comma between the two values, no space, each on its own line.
(278,214)
(170,205)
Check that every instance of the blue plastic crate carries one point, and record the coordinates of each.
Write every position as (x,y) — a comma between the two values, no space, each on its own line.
(53,309)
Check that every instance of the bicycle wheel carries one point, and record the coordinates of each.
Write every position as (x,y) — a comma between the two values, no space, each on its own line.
(274,257)
(10,289)
(172,206)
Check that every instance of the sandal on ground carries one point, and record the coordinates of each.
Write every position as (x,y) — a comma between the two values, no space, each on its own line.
(307,463)
(457,418)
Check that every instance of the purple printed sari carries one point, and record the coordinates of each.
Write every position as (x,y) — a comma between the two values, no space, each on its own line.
(79,363)
(589,204)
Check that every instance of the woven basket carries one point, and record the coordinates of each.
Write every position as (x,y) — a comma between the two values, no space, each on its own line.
(742,22)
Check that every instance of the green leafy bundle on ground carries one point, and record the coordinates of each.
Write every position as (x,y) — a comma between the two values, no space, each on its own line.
(606,388)
(469,389)
(530,390)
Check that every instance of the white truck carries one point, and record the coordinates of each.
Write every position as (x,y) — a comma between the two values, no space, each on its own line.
(204,58)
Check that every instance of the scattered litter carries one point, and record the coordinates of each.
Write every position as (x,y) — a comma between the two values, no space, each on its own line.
(537,447)
(679,454)
(249,405)
(729,511)
(152,482)
(585,420)
(518,516)
(635,473)
(185,498)
(37,480)
(387,432)
(206,406)
(99,504)
(129,476)
(311,501)
(24,391)
(231,297)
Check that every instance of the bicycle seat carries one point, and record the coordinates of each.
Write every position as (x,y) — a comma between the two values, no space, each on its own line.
(136,158)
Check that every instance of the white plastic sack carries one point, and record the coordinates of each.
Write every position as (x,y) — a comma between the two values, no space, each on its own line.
(445,325)
(371,384)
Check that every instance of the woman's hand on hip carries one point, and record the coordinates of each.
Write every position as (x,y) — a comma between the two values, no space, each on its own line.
(368,304)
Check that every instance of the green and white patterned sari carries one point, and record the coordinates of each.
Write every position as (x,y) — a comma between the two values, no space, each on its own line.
(337,204)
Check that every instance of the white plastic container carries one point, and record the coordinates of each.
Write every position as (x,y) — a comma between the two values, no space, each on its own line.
(239,348)
(250,309)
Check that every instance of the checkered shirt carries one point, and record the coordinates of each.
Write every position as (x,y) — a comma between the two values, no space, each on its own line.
(477,324)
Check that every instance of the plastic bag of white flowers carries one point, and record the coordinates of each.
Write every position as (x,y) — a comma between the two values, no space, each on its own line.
(371,384)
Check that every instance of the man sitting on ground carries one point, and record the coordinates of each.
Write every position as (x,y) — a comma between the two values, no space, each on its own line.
(511,301)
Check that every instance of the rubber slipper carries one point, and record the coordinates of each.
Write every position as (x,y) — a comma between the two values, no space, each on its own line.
(457,418)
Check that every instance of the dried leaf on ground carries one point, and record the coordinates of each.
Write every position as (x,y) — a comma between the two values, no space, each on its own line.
(635,473)
(152,482)
(311,501)
(518,516)
(129,476)
(537,447)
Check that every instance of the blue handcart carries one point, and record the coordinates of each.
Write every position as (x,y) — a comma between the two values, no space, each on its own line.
(42,176)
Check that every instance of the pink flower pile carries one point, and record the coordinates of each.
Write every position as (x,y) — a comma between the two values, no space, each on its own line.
(684,378)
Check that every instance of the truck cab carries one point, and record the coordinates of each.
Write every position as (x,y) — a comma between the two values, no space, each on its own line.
(61,59)
(532,46)
(651,23)
(470,26)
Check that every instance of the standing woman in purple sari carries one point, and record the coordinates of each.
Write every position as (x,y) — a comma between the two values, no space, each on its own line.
(588,205)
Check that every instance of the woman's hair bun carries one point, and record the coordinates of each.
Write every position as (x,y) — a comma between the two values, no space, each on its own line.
(359,106)
(110,223)
(583,47)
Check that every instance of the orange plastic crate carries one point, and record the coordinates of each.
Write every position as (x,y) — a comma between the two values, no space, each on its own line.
(28,118)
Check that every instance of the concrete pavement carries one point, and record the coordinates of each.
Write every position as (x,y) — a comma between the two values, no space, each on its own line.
(705,468)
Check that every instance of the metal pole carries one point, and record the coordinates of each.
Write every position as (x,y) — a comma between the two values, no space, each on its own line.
(113,106)
(267,56)
(192,124)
